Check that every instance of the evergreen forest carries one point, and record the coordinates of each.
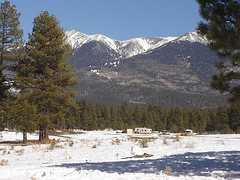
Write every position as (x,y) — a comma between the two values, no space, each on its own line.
(89,116)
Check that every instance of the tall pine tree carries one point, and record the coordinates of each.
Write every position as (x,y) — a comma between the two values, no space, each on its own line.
(222,28)
(10,43)
(46,74)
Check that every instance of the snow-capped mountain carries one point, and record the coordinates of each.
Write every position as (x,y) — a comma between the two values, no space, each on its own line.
(130,47)
(171,71)
(77,39)
(125,49)
(192,37)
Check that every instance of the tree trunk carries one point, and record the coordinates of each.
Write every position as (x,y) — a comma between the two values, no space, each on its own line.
(40,134)
(43,134)
(24,137)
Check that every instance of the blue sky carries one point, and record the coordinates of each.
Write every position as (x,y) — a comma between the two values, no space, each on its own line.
(117,19)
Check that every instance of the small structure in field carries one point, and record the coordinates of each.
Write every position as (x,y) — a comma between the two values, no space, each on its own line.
(129,131)
(165,132)
(142,131)
(188,132)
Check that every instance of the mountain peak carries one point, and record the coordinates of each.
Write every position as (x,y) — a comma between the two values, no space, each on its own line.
(193,37)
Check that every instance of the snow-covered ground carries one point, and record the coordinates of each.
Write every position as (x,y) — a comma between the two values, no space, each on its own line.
(106,155)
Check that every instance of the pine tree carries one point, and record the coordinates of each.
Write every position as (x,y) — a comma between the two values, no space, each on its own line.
(24,115)
(46,74)
(86,119)
(120,123)
(107,117)
(234,118)
(192,121)
(2,115)
(10,45)
(175,120)
(113,113)
(222,119)
(93,115)
(211,126)
(159,120)
(11,40)
(222,28)
(201,122)
(137,116)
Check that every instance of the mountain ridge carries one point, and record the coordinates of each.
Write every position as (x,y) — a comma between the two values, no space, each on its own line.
(131,47)
(173,71)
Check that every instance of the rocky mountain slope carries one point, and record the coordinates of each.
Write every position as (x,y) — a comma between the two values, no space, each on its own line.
(170,71)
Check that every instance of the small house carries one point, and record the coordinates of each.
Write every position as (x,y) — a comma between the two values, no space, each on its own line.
(143,131)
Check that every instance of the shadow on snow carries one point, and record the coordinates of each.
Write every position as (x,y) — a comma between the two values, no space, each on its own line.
(225,163)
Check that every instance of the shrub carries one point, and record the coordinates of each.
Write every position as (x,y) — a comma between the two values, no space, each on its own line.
(116,141)
(143,142)
(4,162)
(176,138)
(71,144)
(165,141)
(4,150)
(53,144)
(20,152)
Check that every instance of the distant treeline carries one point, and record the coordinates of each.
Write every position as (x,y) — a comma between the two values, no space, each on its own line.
(91,116)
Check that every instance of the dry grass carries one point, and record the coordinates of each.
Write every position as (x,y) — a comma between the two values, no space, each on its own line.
(167,170)
(133,139)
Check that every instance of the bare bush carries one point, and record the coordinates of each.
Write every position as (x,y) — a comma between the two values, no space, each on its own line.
(143,142)
(20,151)
(165,141)
(4,162)
(116,141)
(167,170)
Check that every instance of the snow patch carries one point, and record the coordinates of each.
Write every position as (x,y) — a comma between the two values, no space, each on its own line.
(136,150)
